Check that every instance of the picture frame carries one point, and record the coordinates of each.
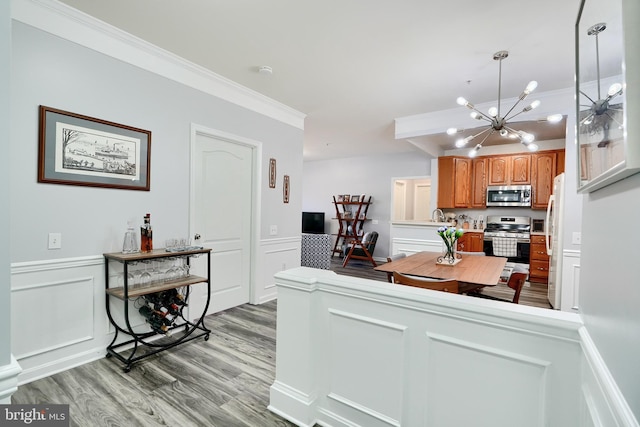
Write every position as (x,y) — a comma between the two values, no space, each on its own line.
(285,189)
(606,92)
(355,199)
(74,149)
(272,173)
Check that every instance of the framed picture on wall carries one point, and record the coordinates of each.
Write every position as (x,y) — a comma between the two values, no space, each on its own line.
(81,150)
(272,173)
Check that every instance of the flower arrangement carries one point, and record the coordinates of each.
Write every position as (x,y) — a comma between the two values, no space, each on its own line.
(450,235)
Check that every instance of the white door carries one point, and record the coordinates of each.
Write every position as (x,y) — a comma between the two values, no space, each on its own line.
(399,200)
(422,202)
(221,203)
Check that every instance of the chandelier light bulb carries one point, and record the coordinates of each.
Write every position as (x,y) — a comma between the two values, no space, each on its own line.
(535,104)
(474,151)
(461,142)
(615,89)
(452,131)
(462,101)
(554,118)
(532,147)
(527,137)
(531,87)
(475,115)
(493,111)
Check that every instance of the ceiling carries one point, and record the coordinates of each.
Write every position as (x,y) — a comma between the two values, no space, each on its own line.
(354,66)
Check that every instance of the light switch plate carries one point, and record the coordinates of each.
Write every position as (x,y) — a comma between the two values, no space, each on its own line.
(273,230)
(576,238)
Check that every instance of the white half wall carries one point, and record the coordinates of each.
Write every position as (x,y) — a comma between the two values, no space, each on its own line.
(359,352)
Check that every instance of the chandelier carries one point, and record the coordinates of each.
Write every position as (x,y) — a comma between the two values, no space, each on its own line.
(599,110)
(498,122)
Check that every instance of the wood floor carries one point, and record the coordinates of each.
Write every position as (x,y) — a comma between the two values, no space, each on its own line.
(220,382)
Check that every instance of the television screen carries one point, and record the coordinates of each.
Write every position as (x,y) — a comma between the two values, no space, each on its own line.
(313,222)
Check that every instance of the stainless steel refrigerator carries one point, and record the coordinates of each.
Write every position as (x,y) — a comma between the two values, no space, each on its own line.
(553,232)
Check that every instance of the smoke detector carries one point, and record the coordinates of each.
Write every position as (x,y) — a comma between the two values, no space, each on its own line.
(265,70)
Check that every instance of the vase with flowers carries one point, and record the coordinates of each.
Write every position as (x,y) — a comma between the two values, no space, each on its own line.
(450,236)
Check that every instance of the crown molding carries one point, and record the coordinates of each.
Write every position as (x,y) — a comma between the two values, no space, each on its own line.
(70,24)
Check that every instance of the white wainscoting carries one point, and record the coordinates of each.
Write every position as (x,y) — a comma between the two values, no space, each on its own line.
(570,281)
(58,316)
(275,255)
(359,352)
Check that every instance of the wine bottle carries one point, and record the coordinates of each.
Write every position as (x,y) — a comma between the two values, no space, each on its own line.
(146,235)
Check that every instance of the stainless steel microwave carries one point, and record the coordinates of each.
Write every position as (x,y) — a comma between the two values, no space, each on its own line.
(509,195)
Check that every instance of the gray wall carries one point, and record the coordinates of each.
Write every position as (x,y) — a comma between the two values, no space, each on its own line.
(609,283)
(370,175)
(54,72)
(5,121)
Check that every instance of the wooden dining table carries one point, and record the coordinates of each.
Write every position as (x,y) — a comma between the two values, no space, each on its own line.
(472,272)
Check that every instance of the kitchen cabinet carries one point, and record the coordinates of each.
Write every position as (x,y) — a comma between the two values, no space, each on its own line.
(479,183)
(538,260)
(510,170)
(471,241)
(520,169)
(498,170)
(543,171)
(454,182)
(462,182)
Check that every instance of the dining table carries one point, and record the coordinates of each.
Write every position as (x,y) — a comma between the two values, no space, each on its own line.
(472,272)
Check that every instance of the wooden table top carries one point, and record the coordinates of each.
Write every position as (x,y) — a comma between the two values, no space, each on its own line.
(472,270)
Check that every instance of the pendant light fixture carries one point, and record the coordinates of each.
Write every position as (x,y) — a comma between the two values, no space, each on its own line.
(602,106)
(498,122)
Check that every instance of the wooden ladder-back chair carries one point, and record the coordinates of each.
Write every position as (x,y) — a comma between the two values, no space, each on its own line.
(448,285)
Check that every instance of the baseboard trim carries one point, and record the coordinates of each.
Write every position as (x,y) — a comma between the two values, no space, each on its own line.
(9,380)
(292,404)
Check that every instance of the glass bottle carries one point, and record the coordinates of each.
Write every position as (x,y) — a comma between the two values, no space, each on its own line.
(130,244)
(146,235)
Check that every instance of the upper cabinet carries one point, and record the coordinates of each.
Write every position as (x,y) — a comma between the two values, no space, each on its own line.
(479,182)
(510,170)
(543,171)
(462,182)
(454,182)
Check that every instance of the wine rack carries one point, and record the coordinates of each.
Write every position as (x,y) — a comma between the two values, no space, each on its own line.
(140,345)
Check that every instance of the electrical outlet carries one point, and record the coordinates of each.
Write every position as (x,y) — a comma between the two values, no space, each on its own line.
(55,241)
(374,221)
(273,230)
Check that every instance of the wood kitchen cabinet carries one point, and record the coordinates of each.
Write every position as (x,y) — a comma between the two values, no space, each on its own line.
(462,182)
(471,241)
(479,183)
(543,171)
(498,170)
(454,182)
(510,170)
(538,260)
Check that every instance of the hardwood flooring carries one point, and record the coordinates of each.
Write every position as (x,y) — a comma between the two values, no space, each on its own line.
(220,382)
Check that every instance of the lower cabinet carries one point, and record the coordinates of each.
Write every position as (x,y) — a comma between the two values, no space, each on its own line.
(539,260)
(471,241)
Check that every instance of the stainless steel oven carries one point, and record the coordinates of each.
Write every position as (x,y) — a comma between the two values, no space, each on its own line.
(513,234)
(509,195)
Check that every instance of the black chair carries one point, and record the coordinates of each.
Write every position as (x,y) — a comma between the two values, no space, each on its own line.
(361,248)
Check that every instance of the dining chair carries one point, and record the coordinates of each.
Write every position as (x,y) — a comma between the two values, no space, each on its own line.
(516,281)
(392,258)
(445,285)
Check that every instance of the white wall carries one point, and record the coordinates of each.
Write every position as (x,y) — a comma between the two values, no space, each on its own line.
(9,368)
(609,284)
(370,175)
(73,66)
